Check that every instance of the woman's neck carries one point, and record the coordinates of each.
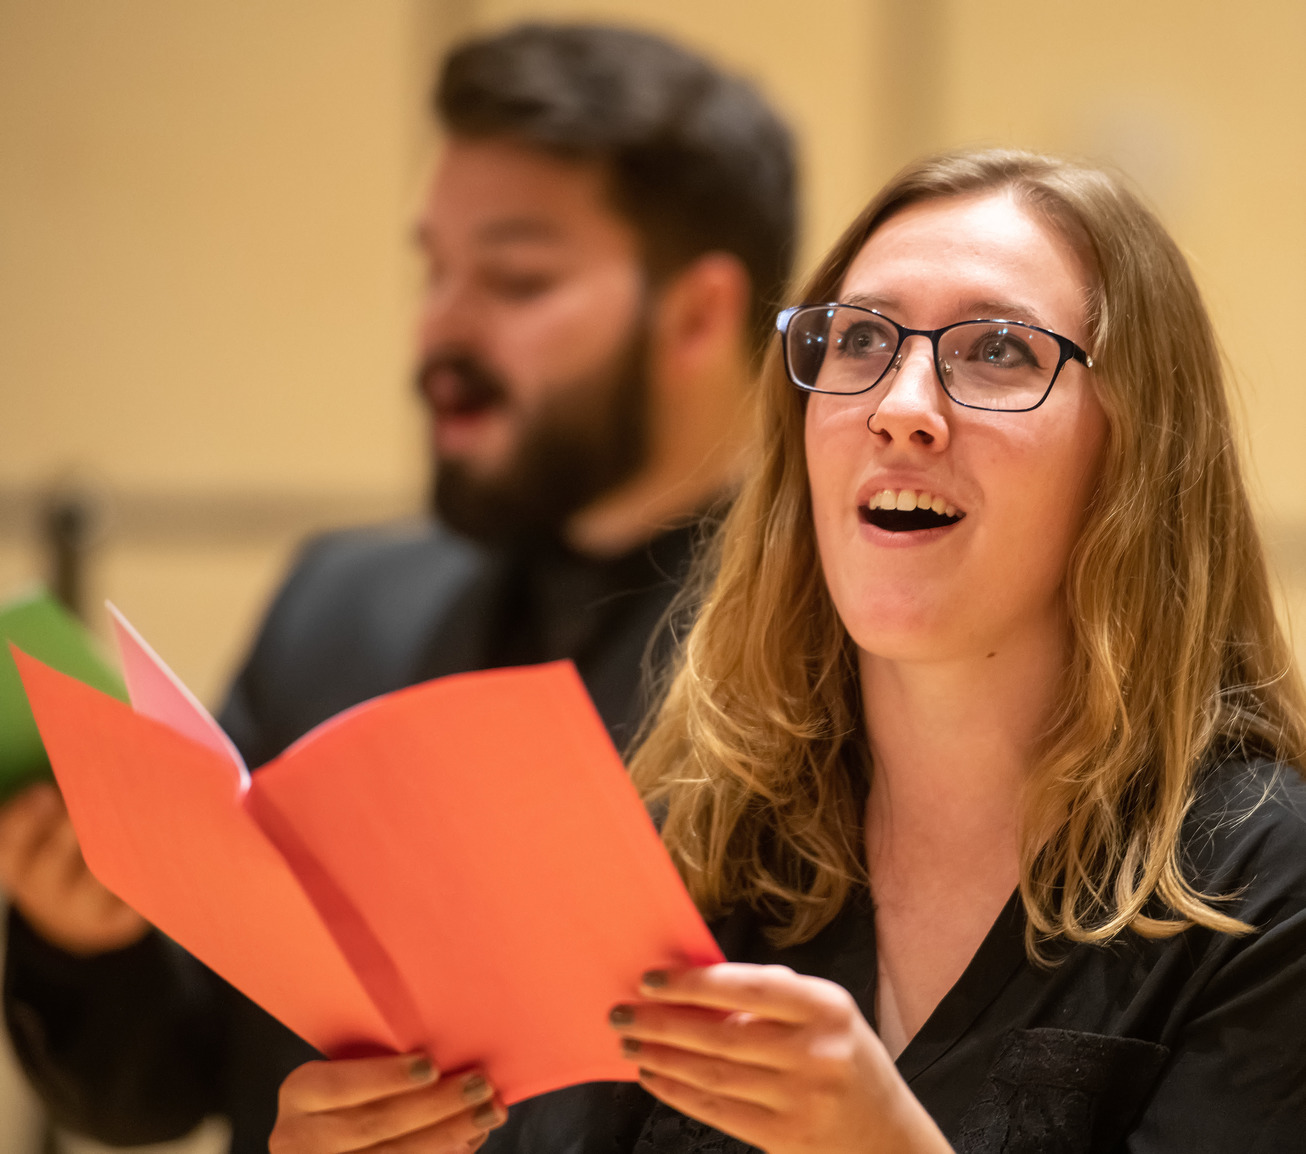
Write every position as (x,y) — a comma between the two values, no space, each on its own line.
(952,744)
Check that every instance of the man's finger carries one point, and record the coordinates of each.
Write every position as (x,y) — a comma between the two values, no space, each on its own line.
(42,798)
(65,853)
(26,821)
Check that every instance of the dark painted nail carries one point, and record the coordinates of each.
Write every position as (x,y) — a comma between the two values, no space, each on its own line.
(421,1070)
(486,1116)
(475,1088)
(654,979)
(646,1075)
(621,1015)
(630,1047)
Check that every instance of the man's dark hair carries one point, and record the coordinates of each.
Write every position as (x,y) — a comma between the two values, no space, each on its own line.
(697,160)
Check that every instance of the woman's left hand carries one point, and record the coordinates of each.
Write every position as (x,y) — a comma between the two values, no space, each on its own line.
(779,1060)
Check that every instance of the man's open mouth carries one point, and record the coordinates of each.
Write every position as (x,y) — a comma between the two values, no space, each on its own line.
(909,511)
(458,388)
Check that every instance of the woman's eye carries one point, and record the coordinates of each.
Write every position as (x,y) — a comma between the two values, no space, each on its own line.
(1005,350)
(862,340)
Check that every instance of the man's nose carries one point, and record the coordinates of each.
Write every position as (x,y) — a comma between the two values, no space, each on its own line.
(448,315)
(911,402)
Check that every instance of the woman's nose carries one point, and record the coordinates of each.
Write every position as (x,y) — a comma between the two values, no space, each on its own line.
(910,405)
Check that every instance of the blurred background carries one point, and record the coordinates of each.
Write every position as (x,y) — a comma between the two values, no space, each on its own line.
(206,285)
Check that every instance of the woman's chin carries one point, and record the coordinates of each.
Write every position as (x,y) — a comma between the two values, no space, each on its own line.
(920,637)
(906,645)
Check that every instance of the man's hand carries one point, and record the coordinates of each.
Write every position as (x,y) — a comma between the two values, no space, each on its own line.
(42,871)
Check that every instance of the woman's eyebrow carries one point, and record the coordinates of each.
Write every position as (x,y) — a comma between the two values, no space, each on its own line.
(866,301)
(1007,311)
(978,308)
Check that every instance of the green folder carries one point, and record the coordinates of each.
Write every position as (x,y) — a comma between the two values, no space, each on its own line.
(39,625)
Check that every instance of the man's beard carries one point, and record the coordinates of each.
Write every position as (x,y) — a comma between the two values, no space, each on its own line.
(585,440)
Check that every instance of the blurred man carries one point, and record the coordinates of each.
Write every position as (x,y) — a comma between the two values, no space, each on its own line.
(607,232)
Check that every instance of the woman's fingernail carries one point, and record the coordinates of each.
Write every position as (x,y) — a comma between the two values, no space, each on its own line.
(630,1047)
(421,1070)
(486,1116)
(646,1075)
(654,979)
(621,1015)
(476,1088)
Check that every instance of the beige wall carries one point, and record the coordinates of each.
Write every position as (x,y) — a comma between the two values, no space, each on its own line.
(205,288)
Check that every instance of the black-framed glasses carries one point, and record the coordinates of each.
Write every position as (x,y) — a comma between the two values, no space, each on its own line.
(1006,366)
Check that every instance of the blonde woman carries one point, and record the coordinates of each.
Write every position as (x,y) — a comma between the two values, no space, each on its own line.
(984,751)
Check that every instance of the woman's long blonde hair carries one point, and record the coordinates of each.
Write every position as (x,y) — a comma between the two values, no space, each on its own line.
(758,752)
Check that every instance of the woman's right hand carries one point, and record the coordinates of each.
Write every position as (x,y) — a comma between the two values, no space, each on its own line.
(399,1105)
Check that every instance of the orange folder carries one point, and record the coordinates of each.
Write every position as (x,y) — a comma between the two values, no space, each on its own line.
(461,867)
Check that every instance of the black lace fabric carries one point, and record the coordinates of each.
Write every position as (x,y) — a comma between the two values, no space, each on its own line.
(667,1131)
(1055,1091)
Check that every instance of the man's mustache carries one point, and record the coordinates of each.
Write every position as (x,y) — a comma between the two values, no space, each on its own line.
(459,381)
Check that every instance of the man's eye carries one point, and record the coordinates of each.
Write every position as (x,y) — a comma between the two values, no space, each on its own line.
(520,286)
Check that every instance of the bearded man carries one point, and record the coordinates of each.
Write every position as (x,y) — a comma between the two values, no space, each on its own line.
(607,231)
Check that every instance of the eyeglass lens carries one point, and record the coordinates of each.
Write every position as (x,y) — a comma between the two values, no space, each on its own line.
(985,364)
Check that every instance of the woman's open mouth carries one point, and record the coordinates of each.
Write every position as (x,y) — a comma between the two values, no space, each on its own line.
(909,511)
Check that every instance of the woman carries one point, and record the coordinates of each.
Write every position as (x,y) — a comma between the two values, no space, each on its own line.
(985,730)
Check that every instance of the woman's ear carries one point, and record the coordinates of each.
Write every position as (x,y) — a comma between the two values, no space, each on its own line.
(700,322)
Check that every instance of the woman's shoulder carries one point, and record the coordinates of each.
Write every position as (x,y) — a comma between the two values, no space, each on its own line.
(1246,832)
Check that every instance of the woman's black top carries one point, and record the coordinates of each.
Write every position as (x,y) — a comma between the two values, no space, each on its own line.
(1193,1043)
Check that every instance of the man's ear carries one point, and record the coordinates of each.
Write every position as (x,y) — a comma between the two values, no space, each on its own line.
(700,322)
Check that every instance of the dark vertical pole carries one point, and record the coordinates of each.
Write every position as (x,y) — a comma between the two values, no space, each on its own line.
(67,525)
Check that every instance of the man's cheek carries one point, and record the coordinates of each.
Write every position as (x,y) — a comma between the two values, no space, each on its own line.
(532,357)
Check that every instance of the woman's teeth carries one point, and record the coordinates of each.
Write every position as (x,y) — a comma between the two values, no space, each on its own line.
(905,500)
